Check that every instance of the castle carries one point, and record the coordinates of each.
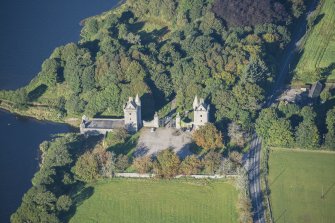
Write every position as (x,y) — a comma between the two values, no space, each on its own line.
(133,122)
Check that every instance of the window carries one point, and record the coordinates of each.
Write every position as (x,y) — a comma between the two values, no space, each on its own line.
(129,113)
(200,115)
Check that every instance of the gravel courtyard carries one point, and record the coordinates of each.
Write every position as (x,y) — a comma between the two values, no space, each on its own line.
(162,138)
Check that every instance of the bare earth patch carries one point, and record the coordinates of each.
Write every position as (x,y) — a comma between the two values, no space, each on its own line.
(162,138)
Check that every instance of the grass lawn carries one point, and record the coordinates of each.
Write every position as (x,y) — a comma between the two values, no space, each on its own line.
(296,179)
(319,50)
(132,200)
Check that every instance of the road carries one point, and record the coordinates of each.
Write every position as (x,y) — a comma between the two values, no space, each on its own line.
(252,164)
(252,159)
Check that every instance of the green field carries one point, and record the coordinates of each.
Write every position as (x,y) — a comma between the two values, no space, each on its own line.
(297,179)
(160,201)
(319,49)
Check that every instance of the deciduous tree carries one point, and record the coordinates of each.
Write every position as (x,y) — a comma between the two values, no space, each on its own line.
(208,137)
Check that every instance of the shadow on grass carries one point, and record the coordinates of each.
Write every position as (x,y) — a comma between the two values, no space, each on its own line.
(82,194)
(37,92)
(327,191)
(281,215)
(128,148)
(277,177)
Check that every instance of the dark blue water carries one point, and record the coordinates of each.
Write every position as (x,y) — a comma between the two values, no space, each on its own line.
(29,31)
(19,141)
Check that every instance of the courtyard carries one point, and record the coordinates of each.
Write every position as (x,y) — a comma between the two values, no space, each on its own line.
(151,142)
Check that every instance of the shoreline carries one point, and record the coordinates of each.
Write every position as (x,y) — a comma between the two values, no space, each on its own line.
(71,125)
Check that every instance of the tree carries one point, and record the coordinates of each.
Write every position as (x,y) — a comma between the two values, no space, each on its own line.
(307,135)
(86,167)
(236,134)
(212,162)
(122,162)
(20,98)
(57,155)
(51,71)
(64,203)
(167,165)
(106,161)
(190,165)
(75,105)
(248,95)
(330,136)
(280,133)
(38,205)
(325,95)
(236,157)
(289,109)
(118,136)
(45,176)
(208,137)
(256,71)
(143,164)
(264,122)
(308,113)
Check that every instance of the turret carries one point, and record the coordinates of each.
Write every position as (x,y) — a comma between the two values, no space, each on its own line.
(201,113)
(195,102)
(178,121)
(133,114)
(138,100)
(156,120)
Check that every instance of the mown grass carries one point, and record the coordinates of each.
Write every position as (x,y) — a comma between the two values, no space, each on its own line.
(297,180)
(319,49)
(125,200)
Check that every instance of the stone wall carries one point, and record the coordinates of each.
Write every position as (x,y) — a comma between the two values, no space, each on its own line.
(147,175)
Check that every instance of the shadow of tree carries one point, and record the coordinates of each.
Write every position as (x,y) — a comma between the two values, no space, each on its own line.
(83,193)
(328,70)
(318,19)
(37,92)
(185,151)
(142,150)
(153,36)
(127,148)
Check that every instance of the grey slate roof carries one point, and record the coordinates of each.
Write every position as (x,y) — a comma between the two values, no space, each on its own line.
(105,124)
(315,90)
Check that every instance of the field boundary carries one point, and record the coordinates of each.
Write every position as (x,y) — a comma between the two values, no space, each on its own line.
(302,150)
(265,172)
(148,175)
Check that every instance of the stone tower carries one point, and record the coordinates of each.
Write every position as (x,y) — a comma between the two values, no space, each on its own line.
(201,112)
(133,114)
